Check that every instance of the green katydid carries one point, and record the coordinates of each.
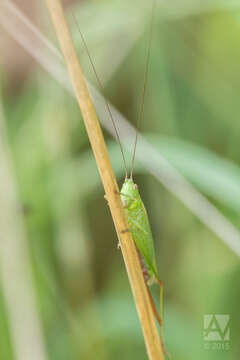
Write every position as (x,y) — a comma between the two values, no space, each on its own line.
(142,235)
(135,210)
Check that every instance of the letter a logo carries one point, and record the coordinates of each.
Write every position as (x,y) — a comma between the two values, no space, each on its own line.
(216,328)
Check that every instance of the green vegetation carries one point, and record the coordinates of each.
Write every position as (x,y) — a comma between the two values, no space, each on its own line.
(192,108)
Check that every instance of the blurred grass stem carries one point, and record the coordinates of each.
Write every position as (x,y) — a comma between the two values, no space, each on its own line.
(15,268)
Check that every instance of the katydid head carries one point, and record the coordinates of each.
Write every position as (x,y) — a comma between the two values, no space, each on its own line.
(129,192)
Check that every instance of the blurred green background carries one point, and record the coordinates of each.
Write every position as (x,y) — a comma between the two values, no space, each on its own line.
(82,295)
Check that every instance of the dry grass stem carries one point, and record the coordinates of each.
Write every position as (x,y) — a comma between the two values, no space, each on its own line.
(133,267)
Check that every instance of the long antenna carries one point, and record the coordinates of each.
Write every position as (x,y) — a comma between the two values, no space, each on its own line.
(101,88)
(144,88)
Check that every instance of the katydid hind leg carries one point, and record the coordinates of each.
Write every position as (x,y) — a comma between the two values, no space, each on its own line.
(154,309)
(158,317)
(160,282)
